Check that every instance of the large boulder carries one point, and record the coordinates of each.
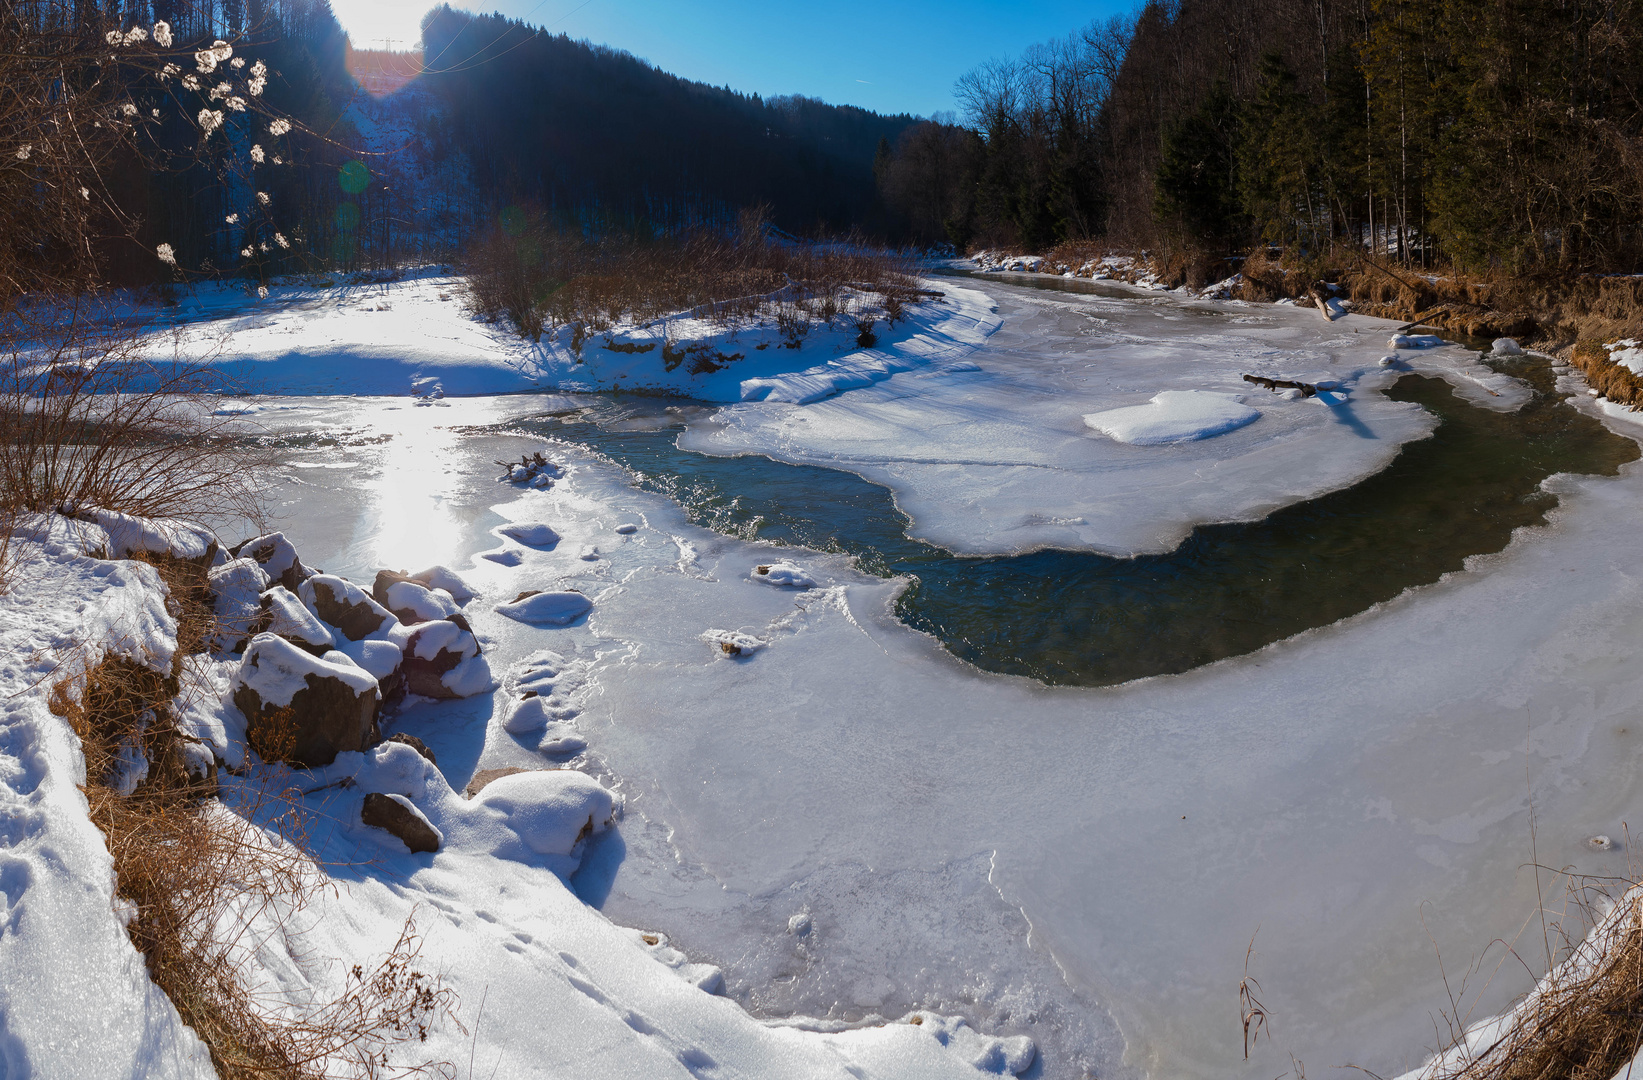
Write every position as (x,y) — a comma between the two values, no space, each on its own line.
(346,606)
(238,614)
(276,555)
(442,660)
(398,815)
(287,618)
(303,709)
(410,600)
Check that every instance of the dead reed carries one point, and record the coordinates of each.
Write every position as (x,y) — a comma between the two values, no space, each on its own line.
(1583,1021)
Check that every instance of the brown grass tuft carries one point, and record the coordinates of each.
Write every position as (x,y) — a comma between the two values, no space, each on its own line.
(1585,1020)
(1604,375)
(542,278)
(200,877)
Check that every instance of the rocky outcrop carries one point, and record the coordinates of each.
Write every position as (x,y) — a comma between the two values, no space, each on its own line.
(303,709)
(398,815)
(346,606)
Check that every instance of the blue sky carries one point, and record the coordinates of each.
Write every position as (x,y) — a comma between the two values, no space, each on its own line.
(886,55)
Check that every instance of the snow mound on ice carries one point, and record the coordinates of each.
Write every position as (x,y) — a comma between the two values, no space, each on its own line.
(1174,416)
(550,810)
(783,573)
(836,376)
(1010,1056)
(1505,346)
(552,608)
(534,533)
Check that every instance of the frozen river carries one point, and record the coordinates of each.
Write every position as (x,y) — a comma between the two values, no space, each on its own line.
(855,820)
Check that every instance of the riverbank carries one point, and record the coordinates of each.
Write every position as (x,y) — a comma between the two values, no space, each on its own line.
(849,822)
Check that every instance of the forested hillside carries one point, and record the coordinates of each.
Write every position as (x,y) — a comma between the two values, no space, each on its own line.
(593,133)
(1482,133)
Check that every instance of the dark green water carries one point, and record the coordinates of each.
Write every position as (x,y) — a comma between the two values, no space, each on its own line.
(1083,619)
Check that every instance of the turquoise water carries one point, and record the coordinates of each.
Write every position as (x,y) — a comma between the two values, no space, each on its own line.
(1083,619)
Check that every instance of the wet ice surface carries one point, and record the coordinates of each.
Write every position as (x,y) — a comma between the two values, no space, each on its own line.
(851,822)
(992,454)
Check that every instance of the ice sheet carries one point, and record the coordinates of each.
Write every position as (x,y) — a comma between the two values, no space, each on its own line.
(1327,792)
(992,455)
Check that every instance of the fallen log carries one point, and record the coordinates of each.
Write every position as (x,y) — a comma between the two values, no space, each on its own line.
(1306,389)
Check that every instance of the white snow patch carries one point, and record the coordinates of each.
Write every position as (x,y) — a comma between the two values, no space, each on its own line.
(1174,416)
(532,533)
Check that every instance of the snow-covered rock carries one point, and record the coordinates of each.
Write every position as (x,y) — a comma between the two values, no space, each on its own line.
(443,660)
(732,643)
(399,817)
(784,574)
(300,708)
(410,600)
(278,556)
(289,619)
(238,614)
(440,577)
(547,608)
(1506,347)
(129,535)
(344,605)
(1174,416)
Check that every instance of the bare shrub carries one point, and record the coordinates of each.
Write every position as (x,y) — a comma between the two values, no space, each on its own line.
(542,278)
(87,420)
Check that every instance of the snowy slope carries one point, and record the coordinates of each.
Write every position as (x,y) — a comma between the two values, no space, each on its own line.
(75,998)
(547,986)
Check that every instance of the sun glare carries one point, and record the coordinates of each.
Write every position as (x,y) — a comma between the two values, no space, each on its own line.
(381,24)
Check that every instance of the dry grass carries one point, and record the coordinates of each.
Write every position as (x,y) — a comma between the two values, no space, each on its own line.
(1604,375)
(1584,1021)
(542,278)
(200,879)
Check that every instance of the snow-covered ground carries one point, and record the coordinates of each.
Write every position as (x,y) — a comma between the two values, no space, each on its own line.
(919,817)
(852,824)
(416,336)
